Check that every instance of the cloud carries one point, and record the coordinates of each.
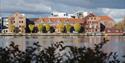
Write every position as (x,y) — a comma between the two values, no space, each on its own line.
(93,3)
(22,6)
(116,14)
(35,8)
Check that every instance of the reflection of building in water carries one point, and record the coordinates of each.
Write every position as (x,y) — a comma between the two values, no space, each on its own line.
(6,40)
(91,40)
(30,40)
(20,40)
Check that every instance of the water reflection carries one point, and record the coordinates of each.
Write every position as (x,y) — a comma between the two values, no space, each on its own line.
(116,43)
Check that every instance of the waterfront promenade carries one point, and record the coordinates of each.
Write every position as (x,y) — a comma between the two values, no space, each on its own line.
(57,34)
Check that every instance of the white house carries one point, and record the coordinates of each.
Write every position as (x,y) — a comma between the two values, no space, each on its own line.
(61,15)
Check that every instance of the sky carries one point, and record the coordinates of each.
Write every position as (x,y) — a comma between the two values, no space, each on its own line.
(36,8)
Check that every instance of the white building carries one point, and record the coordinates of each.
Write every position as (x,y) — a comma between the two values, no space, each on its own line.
(81,14)
(61,15)
(5,25)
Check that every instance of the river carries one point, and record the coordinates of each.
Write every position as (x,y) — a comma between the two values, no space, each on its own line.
(115,43)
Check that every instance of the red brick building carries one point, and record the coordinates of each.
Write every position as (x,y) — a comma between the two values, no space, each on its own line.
(107,21)
(54,21)
(92,23)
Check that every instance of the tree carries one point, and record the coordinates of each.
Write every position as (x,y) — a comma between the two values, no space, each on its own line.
(31,27)
(77,27)
(22,28)
(40,27)
(68,27)
(12,27)
(47,27)
(120,25)
(52,29)
(60,27)
(16,30)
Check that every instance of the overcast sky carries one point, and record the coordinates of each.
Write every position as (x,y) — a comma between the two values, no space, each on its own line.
(36,8)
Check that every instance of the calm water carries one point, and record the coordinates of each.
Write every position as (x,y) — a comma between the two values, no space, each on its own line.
(116,43)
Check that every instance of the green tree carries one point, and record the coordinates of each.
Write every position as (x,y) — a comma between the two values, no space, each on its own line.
(120,25)
(12,27)
(77,27)
(31,27)
(68,27)
(47,27)
(60,27)
(40,27)
(22,28)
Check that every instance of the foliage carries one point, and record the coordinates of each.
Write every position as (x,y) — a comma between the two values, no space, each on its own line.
(31,27)
(68,27)
(22,28)
(57,53)
(77,27)
(44,29)
(16,30)
(47,27)
(120,25)
(12,27)
(40,27)
(60,27)
(52,29)
(82,29)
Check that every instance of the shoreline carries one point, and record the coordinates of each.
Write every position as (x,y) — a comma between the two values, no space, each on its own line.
(56,34)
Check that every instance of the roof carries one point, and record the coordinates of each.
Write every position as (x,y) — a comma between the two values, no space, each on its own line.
(106,18)
(73,20)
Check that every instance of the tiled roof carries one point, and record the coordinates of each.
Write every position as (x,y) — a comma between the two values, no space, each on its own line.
(105,18)
(73,20)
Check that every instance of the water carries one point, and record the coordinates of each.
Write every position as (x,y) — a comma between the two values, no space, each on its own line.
(115,43)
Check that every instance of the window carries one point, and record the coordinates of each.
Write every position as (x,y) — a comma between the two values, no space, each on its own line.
(19,25)
(11,21)
(20,21)
(117,30)
(109,31)
(91,18)
(94,18)
(66,14)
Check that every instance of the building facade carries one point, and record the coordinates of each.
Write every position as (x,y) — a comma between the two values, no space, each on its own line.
(17,23)
(92,25)
(55,21)
(107,21)
(4,25)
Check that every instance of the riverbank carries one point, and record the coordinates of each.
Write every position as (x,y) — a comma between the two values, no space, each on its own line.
(57,34)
